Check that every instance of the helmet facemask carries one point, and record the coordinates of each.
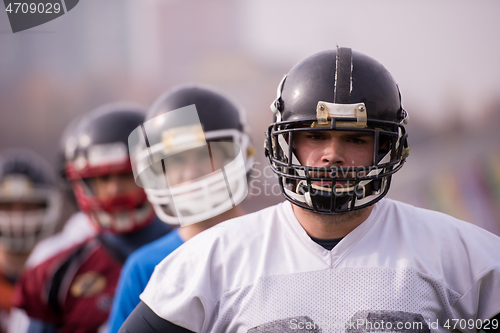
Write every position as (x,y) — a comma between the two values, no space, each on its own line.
(30,202)
(219,183)
(37,217)
(98,151)
(337,90)
(120,213)
(340,189)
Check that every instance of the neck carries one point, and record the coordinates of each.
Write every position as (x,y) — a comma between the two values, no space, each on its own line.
(12,263)
(189,231)
(330,226)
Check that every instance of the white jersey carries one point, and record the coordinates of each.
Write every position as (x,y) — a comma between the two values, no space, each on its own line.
(403,266)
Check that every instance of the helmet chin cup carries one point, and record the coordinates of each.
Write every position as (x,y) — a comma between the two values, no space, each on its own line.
(343,196)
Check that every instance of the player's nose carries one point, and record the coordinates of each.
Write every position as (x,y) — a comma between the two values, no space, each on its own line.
(333,152)
(196,169)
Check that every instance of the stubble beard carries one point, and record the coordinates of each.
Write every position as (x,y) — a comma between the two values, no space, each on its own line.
(338,219)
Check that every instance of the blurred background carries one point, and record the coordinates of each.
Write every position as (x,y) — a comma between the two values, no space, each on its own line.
(444,56)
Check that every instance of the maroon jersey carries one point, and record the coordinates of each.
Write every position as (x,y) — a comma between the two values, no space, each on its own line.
(72,290)
(6,292)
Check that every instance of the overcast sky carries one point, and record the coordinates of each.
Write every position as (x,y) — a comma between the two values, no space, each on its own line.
(444,54)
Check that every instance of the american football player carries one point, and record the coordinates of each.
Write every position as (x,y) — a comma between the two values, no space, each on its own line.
(197,197)
(72,291)
(30,207)
(337,255)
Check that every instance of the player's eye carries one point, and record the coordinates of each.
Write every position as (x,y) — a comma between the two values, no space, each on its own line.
(103,178)
(357,139)
(315,136)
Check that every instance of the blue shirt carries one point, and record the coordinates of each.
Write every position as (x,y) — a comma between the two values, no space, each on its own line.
(135,276)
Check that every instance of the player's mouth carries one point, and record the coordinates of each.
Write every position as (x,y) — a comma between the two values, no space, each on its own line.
(339,185)
(328,185)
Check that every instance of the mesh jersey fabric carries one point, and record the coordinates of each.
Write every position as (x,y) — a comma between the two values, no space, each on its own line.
(262,273)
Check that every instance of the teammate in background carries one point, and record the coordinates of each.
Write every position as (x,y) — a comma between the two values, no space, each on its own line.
(73,290)
(76,229)
(30,207)
(222,120)
(337,256)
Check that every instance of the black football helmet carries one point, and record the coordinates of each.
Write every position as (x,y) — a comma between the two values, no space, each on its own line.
(30,202)
(68,134)
(190,118)
(98,147)
(340,90)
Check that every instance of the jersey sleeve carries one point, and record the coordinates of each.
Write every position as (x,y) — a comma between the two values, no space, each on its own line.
(31,294)
(37,291)
(478,265)
(182,289)
(482,300)
(142,319)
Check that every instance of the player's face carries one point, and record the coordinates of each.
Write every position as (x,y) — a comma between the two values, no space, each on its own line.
(108,186)
(192,164)
(333,149)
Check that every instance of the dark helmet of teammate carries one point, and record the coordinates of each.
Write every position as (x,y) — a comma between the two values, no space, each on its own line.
(98,147)
(340,90)
(30,203)
(68,134)
(176,116)
(216,110)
